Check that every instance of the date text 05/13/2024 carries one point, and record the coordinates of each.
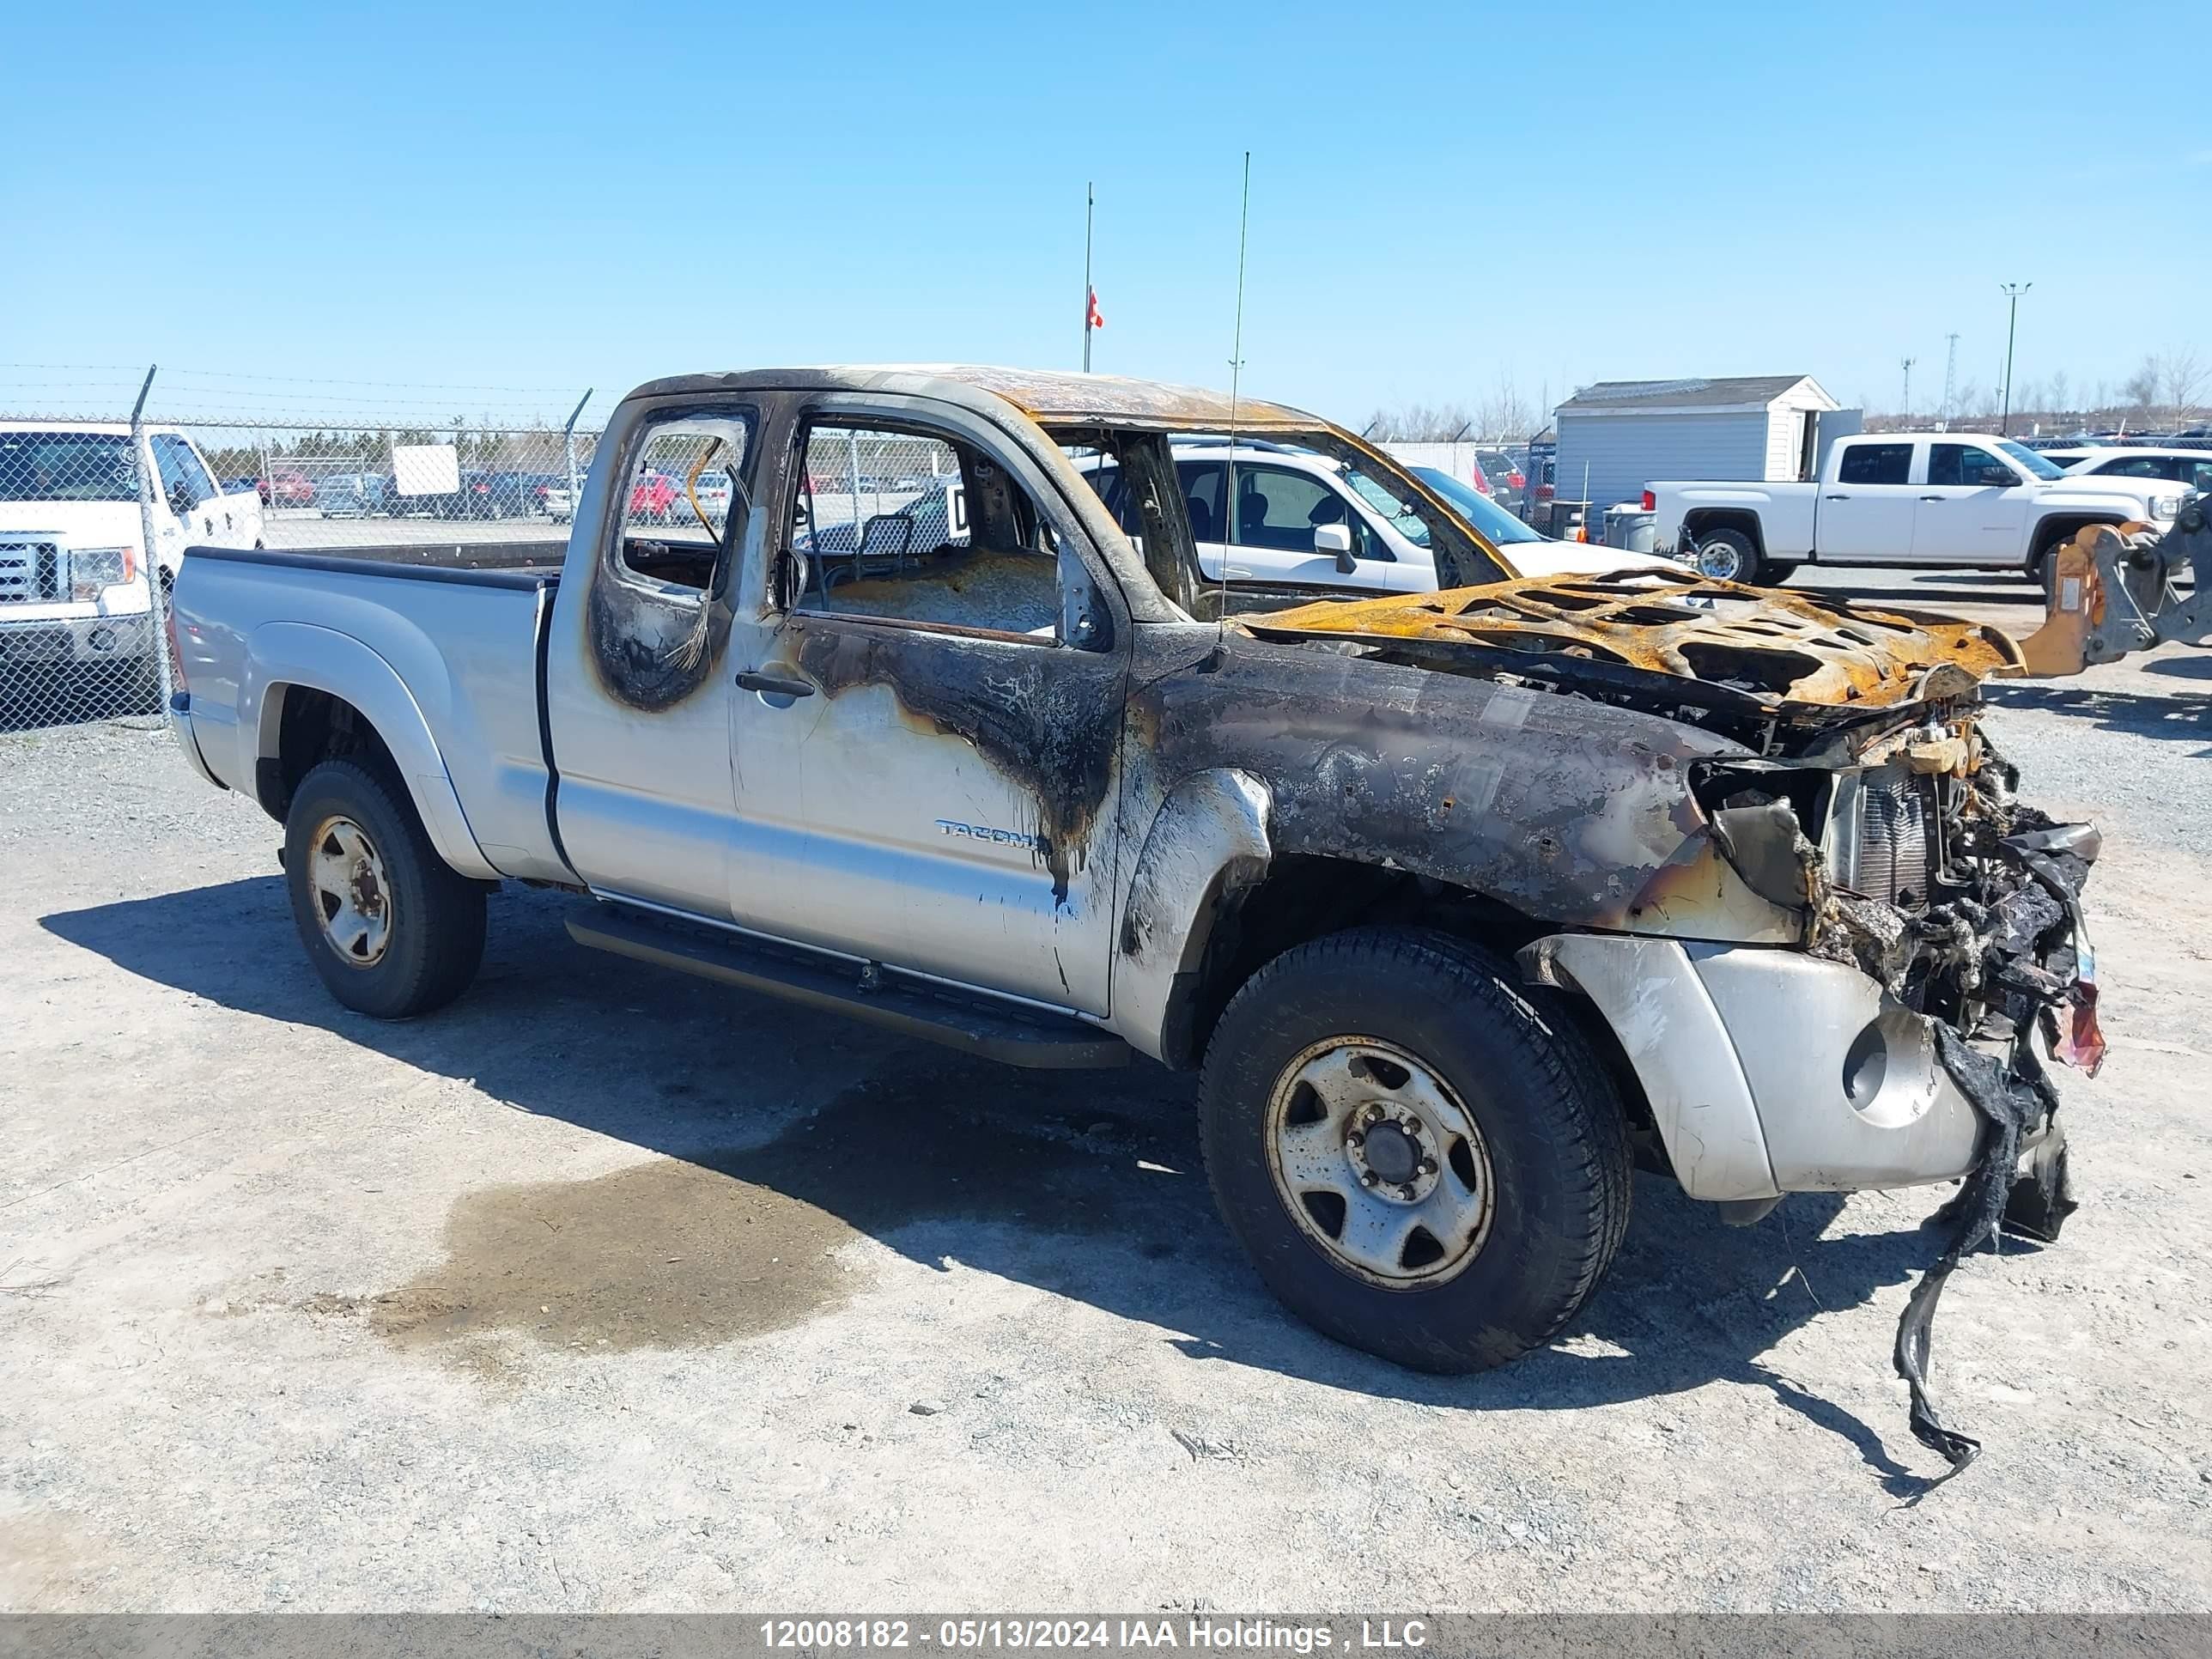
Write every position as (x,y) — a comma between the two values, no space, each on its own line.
(1004,1634)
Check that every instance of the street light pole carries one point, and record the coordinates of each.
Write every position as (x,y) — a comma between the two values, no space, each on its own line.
(2012,292)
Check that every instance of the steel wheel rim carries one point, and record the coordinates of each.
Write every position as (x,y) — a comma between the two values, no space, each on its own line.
(1379,1163)
(351,893)
(1720,561)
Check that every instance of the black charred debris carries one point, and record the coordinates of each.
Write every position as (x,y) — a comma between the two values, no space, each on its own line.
(1995,964)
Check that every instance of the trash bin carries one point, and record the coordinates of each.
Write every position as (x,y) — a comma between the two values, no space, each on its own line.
(1629,528)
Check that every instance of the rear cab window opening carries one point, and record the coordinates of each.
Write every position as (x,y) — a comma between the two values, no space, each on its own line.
(680,494)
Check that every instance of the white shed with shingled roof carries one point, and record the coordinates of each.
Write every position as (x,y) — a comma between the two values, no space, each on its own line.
(1621,435)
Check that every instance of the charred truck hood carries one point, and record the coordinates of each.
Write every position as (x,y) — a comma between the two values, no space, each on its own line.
(1831,789)
(1781,673)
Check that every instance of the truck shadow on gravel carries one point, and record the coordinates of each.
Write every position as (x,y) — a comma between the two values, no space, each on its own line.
(1085,1185)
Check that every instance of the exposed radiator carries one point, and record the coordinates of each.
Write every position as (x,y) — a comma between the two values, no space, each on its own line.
(1892,847)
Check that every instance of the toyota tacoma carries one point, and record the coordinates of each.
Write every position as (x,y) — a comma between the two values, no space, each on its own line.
(1461,902)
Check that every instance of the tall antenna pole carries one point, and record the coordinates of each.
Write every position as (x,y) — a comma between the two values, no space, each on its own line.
(2013,291)
(1235,377)
(1950,374)
(1089,203)
(1905,402)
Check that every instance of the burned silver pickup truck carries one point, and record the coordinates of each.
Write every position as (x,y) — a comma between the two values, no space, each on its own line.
(1462,899)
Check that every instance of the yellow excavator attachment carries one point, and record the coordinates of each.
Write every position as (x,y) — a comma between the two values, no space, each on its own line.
(2114,589)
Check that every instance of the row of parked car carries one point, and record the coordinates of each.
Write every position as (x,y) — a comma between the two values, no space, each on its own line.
(481,494)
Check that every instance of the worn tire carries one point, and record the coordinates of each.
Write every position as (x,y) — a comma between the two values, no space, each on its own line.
(436,915)
(1553,1130)
(2042,567)
(1732,545)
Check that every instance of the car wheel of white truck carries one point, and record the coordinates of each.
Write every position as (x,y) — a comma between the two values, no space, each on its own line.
(390,927)
(1728,556)
(1421,1161)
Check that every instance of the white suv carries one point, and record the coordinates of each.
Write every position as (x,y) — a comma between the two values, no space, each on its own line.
(1301,520)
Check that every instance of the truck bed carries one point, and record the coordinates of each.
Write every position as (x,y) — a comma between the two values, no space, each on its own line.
(439,645)
(533,561)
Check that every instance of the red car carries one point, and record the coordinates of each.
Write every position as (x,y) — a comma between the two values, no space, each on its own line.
(652,496)
(284,487)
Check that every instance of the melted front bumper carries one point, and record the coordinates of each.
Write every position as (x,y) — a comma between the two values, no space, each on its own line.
(1768,1071)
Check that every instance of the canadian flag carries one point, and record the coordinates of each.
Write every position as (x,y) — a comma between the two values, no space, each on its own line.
(1090,317)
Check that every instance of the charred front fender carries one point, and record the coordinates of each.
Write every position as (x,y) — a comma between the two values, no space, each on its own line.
(1207,844)
(1569,810)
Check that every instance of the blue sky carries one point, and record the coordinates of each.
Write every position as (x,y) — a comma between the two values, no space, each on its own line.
(540,197)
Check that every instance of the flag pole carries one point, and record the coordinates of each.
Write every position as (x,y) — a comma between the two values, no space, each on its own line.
(1089,201)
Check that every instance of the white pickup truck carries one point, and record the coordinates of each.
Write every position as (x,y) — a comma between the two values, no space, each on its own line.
(1959,499)
(74,562)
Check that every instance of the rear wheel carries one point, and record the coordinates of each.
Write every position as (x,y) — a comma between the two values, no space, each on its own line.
(1418,1162)
(391,927)
(1728,556)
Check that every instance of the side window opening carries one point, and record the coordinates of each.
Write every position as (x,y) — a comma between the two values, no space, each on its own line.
(1963,465)
(682,494)
(915,527)
(184,482)
(1876,464)
(1280,509)
(1202,482)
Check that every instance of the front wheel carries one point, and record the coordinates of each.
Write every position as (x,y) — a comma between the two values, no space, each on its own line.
(2042,568)
(1728,555)
(1418,1160)
(392,928)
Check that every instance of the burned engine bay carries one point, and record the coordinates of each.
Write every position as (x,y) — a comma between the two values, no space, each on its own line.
(1870,804)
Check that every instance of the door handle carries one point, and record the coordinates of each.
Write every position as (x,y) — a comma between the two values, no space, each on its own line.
(774,685)
(1835,498)
(1934,498)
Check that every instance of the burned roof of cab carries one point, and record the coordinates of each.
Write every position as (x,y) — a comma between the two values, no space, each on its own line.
(1049,397)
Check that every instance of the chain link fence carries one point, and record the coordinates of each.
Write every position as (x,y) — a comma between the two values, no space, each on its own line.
(80,630)
(107,476)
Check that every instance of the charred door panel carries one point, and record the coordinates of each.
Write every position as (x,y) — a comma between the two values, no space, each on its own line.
(636,700)
(938,802)
(934,669)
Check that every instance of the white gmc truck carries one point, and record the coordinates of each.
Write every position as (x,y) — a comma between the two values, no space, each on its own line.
(1946,499)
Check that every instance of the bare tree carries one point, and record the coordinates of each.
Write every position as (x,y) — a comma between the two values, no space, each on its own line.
(2140,388)
(2062,394)
(2184,371)
(1505,413)
(1421,423)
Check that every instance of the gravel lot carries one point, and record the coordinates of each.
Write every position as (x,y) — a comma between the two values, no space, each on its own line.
(605,1289)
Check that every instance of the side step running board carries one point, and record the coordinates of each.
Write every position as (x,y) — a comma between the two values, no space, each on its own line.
(1013,1036)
